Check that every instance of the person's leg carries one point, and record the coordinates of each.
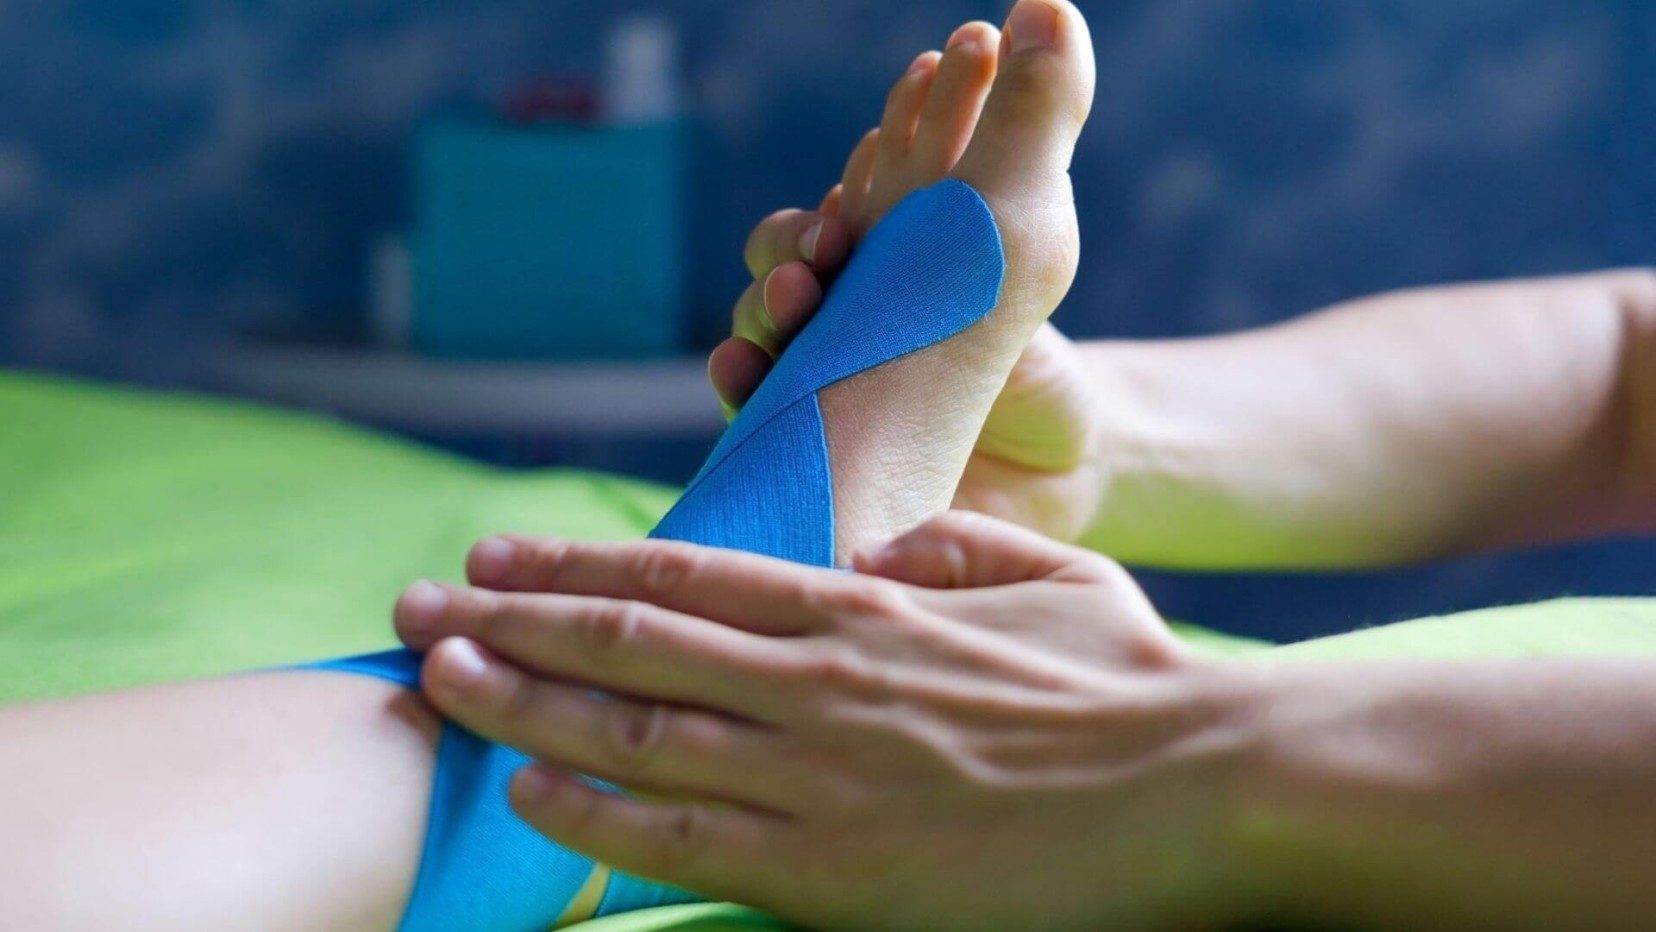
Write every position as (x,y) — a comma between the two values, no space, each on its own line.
(281,801)
(191,792)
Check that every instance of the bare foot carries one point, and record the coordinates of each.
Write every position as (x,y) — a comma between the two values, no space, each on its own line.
(1002,113)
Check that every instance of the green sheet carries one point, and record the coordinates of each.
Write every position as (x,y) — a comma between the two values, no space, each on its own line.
(148,537)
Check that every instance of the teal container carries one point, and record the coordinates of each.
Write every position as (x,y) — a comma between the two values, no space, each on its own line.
(549,241)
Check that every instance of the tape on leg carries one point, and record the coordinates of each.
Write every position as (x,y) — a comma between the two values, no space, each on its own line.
(929,270)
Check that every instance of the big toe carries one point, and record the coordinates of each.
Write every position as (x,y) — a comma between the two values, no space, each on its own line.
(1040,99)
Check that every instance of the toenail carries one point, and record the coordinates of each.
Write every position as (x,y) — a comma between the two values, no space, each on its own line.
(1033,25)
(808,241)
(765,318)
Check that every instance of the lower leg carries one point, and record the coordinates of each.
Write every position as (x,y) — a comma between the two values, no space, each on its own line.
(283,800)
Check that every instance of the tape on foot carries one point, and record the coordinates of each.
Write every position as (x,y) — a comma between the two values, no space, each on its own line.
(930,269)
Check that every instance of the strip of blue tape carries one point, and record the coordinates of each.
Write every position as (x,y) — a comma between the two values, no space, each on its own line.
(930,269)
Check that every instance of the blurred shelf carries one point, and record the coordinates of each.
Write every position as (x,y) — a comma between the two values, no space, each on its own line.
(628,399)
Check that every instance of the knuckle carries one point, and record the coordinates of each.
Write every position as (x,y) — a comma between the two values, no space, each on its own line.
(540,561)
(587,819)
(518,701)
(866,597)
(491,612)
(607,632)
(845,672)
(542,553)
(633,735)
(1110,574)
(665,569)
(684,840)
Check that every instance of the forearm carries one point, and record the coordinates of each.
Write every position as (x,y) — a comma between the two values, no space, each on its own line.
(1395,428)
(1500,795)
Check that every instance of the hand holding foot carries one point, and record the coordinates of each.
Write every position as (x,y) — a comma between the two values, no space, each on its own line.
(880,752)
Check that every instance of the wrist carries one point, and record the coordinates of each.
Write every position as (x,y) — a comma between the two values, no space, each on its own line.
(1205,770)
(1242,695)
(1330,778)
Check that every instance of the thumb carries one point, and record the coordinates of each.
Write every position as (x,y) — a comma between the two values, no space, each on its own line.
(965,550)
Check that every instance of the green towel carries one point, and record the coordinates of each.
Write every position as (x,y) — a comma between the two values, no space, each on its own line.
(148,537)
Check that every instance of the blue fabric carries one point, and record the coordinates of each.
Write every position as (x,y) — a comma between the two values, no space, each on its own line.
(929,270)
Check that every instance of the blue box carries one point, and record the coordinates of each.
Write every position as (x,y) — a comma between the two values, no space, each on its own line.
(549,241)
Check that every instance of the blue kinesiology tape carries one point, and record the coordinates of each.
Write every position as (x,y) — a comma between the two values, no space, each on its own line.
(481,867)
(930,269)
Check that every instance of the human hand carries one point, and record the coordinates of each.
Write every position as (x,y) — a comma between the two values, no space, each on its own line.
(998,731)
(1038,461)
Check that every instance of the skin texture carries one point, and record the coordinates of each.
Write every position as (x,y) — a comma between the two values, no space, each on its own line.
(854,751)
(1413,425)
(266,801)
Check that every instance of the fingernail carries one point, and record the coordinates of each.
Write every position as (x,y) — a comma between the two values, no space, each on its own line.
(422,603)
(962,36)
(463,664)
(917,66)
(1033,25)
(808,241)
(491,558)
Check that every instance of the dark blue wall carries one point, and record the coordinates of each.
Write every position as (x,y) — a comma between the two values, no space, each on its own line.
(167,168)
(170,171)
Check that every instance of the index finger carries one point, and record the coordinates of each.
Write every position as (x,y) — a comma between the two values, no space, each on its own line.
(758,594)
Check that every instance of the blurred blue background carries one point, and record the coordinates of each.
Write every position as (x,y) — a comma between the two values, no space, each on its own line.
(173,175)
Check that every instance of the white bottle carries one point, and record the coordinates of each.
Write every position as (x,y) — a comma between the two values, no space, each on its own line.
(641,71)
